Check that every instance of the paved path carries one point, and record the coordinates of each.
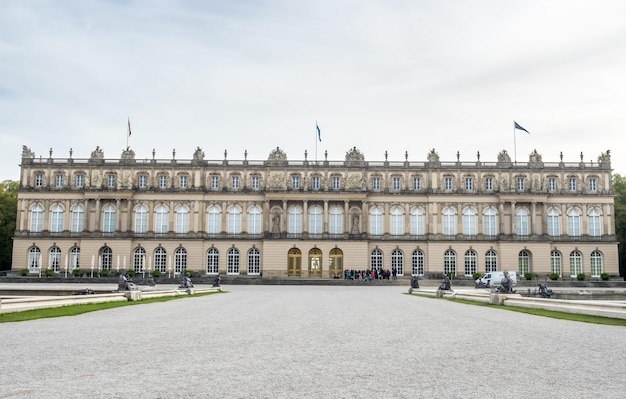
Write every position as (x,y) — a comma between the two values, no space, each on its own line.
(310,342)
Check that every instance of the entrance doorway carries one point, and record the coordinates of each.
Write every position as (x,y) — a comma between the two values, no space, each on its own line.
(294,262)
(335,264)
(315,262)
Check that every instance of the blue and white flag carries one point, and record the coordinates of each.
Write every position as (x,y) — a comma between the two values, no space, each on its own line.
(319,134)
(517,126)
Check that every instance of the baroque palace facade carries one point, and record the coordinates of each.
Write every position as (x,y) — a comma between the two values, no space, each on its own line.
(304,219)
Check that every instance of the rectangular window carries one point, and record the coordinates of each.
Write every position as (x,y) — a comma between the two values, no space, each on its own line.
(469,183)
(315,182)
(234,182)
(143,181)
(80,181)
(520,184)
(593,184)
(447,183)
(489,183)
(215,182)
(295,182)
(59,180)
(376,183)
(572,184)
(182,181)
(111,181)
(396,183)
(38,180)
(552,184)
(162,181)
(336,182)
(256,182)
(417,183)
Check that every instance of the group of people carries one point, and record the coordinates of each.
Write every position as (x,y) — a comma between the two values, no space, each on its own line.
(370,275)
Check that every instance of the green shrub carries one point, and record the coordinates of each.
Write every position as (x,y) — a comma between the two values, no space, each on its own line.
(105,273)
(529,275)
(581,277)
(451,275)
(130,272)
(476,276)
(156,273)
(24,272)
(605,276)
(77,272)
(553,276)
(49,272)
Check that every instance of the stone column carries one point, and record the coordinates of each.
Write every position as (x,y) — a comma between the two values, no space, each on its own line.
(513,222)
(305,216)
(346,217)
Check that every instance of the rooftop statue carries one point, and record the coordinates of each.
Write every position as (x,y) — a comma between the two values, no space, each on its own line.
(27,153)
(97,154)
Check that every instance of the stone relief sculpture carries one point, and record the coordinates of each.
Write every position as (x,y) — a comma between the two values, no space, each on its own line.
(503,156)
(127,154)
(276,181)
(354,155)
(355,181)
(97,154)
(96,178)
(277,157)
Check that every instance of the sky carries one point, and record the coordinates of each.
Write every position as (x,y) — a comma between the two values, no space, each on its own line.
(388,76)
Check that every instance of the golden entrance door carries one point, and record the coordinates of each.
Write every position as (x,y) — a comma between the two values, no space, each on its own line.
(294,262)
(315,262)
(335,265)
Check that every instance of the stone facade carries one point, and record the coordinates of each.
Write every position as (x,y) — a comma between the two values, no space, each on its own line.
(281,218)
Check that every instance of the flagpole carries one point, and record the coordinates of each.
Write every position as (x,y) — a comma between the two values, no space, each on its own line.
(316,141)
(514,145)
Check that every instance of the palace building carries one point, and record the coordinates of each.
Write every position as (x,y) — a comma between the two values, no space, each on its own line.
(278,218)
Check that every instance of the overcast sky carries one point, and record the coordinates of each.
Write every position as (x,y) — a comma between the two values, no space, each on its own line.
(252,75)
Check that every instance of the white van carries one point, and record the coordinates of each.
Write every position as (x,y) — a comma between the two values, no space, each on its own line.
(493,279)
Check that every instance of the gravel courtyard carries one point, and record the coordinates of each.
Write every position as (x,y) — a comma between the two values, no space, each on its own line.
(310,342)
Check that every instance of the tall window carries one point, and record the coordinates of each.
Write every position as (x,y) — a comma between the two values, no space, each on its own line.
(111,181)
(417,263)
(139,260)
(109,221)
(521,222)
(469,184)
(79,181)
(215,182)
(232,261)
(376,259)
(336,182)
(555,262)
(572,184)
(397,221)
(447,183)
(417,183)
(554,223)
(376,221)
(162,181)
(106,258)
(315,220)
(596,264)
(315,182)
(573,222)
(78,219)
(470,262)
(34,259)
(417,221)
(214,220)
(376,183)
(212,261)
(295,220)
(55,259)
(254,220)
(593,184)
(491,261)
(523,262)
(397,261)
(254,262)
(520,184)
(182,181)
(256,182)
(160,259)
(36,218)
(234,182)
(449,221)
(469,221)
(489,183)
(141,219)
(161,219)
(594,223)
(490,222)
(295,182)
(142,181)
(38,180)
(396,183)
(59,181)
(575,263)
(449,262)
(56,220)
(552,184)
(336,220)
(234,220)
(182,219)
(74,258)
(180,260)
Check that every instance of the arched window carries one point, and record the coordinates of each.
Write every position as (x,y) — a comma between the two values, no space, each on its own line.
(521,222)
(397,221)
(254,262)
(490,222)
(34,259)
(36,219)
(417,221)
(139,260)
(295,220)
(555,262)
(54,262)
(575,263)
(397,261)
(214,220)
(180,260)
(470,262)
(109,221)
(212,261)
(161,219)
(182,219)
(336,220)
(234,220)
(417,263)
(449,262)
(595,224)
(160,259)
(315,220)
(376,259)
(596,264)
(78,219)
(254,220)
(232,261)
(141,219)
(573,222)
(74,258)
(523,262)
(491,261)
(449,221)
(554,223)
(106,258)
(376,221)
(469,221)
(56,219)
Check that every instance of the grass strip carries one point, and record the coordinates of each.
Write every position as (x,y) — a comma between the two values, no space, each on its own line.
(541,312)
(73,310)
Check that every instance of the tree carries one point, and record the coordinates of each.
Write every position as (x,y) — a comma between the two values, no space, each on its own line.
(619,189)
(8,215)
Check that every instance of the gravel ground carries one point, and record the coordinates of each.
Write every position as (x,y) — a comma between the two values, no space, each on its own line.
(310,342)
